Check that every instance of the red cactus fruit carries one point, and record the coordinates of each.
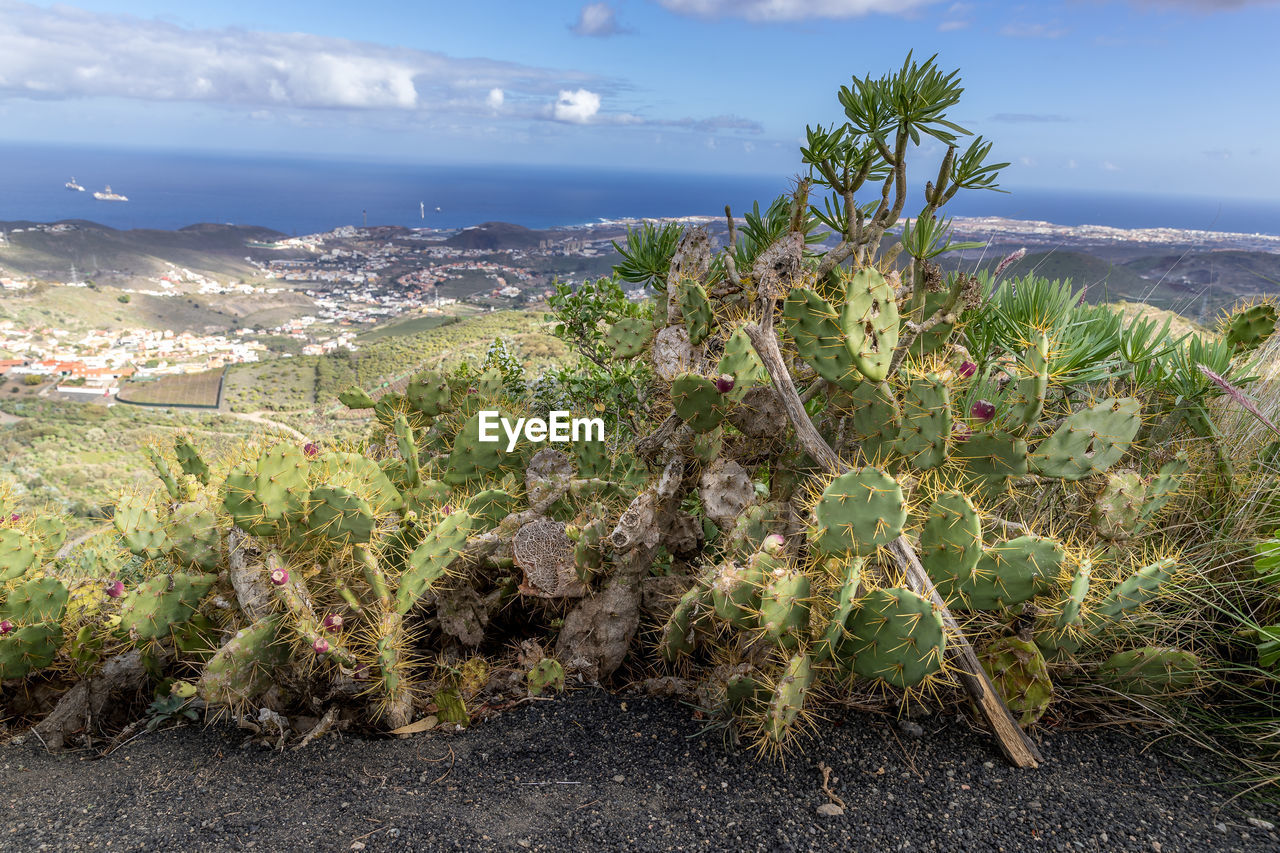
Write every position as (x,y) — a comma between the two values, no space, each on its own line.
(333,622)
(320,646)
(5,627)
(115,589)
(311,450)
(724,383)
(773,543)
(983,410)
(280,577)
(967,369)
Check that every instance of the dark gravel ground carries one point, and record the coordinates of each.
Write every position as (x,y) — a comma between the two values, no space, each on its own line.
(599,772)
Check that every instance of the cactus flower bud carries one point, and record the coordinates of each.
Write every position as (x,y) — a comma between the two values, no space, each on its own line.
(311,450)
(573,531)
(280,577)
(333,622)
(960,433)
(320,646)
(115,589)
(15,518)
(447,509)
(772,543)
(983,410)
(5,627)
(967,369)
(724,383)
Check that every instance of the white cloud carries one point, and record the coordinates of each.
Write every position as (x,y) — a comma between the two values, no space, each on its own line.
(1108,166)
(1071,164)
(64,52)
(495,99)
(597,19)
(952,26)
(577,107)
(1027,161)
(790,10)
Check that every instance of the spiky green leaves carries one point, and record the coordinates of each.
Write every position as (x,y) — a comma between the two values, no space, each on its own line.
(844,606)
(788,697)
(340,516)
(1137,589)
(1005,575)
(858,512)
(870,323)
(356,398)
(546,674)
(29,649)
(241,669)
(895,636)
(784,607)
(873,416)
(473,460)
(1089,441)
(990,461)
(951,539)
(189,459)
(678,636)
(37,600)
(1027,401)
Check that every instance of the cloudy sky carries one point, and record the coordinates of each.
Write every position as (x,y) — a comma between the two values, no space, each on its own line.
(1169,96)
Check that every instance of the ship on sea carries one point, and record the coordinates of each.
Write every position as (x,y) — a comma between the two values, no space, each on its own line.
(72,185)
(108,195)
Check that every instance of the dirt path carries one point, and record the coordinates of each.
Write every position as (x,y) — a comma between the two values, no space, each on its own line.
(596,772)
(263,420)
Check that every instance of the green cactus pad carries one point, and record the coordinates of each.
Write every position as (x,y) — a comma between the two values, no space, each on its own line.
(1007,574)
(858,511)
(407,446)
(163,602)
(1163,487)
(735,593)
(787,701)
(991,460)
(815,327)
(697,401)
(628,337)
(473,460)
(360,475)
(17,554)
(875,418)
(895,636)
(339,516)
(29,650)
(37,600)
(926,422)
(1027,400)
(189,459)
(140,528)
(429,394)
(1089,441)
(785,607)
(489,507)
(241,669)
(592,458)
(1117,509)
(1020,674)
(546,674)
(194,535)
(695,307)
(951,538)
(164,472)
(742,363)
(844,606)
(678,636)
(870,322)
(280,484)
(356,398)
(429,561)
(1151,671)
(1248,328)
(1137,589)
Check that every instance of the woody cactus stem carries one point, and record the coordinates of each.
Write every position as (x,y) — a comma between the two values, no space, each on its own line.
(1014,743)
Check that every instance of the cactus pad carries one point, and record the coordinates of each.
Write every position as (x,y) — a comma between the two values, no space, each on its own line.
(858,511)
(895,636)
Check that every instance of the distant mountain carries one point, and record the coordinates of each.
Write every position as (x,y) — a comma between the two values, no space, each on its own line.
(101,252)
(497,235)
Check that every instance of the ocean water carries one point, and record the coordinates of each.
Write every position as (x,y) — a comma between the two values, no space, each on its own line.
(300,196)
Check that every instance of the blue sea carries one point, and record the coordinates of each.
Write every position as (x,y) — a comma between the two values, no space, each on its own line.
(301,196)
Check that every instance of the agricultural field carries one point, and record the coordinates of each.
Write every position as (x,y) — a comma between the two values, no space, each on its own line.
(191,389)
(313,382)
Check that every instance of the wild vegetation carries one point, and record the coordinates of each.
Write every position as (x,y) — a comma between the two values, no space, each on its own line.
(828,477)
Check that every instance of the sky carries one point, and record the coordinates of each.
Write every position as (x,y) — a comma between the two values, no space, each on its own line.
(1151,96)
